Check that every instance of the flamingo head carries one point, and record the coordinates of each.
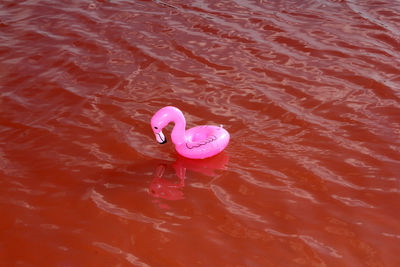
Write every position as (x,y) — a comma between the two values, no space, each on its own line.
(158,122)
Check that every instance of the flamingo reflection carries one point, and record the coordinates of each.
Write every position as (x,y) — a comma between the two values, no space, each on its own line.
(171,189)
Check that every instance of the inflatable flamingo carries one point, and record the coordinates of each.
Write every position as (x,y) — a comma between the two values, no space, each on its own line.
(196,143)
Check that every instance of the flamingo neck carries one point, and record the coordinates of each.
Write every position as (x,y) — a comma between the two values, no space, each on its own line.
(178,132)
(171,114)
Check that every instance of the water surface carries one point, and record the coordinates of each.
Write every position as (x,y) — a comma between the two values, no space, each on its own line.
(309,91)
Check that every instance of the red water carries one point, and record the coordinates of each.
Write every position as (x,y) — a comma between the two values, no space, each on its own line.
(309,91)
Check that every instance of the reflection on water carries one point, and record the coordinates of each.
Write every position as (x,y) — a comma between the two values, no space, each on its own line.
(164,188)
(172,189)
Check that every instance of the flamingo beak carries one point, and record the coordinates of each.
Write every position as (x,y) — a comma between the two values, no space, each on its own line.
(161,138)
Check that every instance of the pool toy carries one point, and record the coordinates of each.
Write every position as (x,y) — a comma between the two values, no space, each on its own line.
(196,143)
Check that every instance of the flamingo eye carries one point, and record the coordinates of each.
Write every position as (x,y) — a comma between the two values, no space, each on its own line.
(155,127)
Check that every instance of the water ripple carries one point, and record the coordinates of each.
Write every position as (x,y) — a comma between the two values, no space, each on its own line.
(102,204)
(117,251)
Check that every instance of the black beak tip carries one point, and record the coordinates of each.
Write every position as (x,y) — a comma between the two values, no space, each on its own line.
(163,142)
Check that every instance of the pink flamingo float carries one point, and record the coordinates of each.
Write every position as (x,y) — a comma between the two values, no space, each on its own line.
(196,143)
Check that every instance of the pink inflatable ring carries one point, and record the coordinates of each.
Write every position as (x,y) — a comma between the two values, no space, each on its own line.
(196,143)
